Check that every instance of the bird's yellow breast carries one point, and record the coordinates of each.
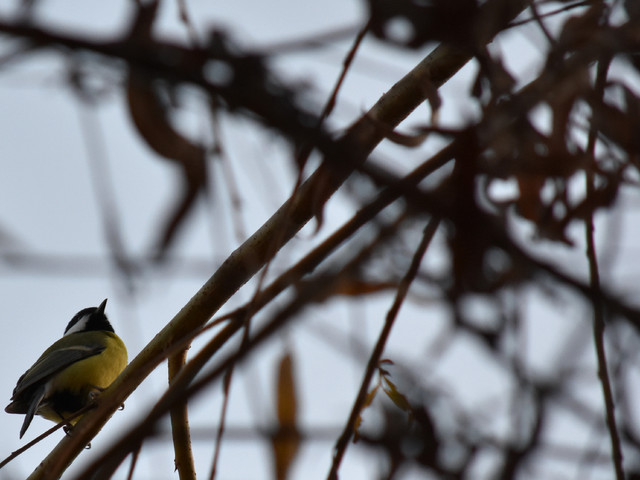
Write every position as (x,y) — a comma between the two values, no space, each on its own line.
(79,380)
(97,371)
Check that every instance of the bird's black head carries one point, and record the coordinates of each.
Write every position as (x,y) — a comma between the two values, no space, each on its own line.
(89,319)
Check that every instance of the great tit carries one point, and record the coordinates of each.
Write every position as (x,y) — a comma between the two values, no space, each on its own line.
(72,371)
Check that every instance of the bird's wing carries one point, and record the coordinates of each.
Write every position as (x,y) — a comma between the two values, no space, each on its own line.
(33,408)
(52,362)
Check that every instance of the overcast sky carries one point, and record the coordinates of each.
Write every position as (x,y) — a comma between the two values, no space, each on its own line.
(54,147)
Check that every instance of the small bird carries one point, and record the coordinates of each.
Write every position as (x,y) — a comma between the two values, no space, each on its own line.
(72,371)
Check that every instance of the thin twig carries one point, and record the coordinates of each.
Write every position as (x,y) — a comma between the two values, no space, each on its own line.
(374,359)
(346,64)
(594,278)
(566,8)
(540,22)
(228,377)
(316,40)
(44,435)
(134,461)
(222,423)
(304,153)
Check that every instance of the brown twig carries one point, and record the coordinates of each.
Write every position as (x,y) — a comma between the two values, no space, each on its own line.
(222,422)
(245,320)
(594,280)
(346,64)
(374,359)
(44,435)
(566,8)
(134,461)
(539,20)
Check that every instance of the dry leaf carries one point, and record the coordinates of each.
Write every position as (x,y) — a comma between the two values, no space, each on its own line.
(286,441)
(396,397)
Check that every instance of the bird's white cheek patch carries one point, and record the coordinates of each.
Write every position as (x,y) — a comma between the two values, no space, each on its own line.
(79,326)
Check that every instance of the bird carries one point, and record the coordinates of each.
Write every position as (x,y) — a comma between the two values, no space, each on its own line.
(72,371)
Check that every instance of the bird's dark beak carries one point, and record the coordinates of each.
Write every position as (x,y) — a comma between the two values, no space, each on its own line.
(102,306)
